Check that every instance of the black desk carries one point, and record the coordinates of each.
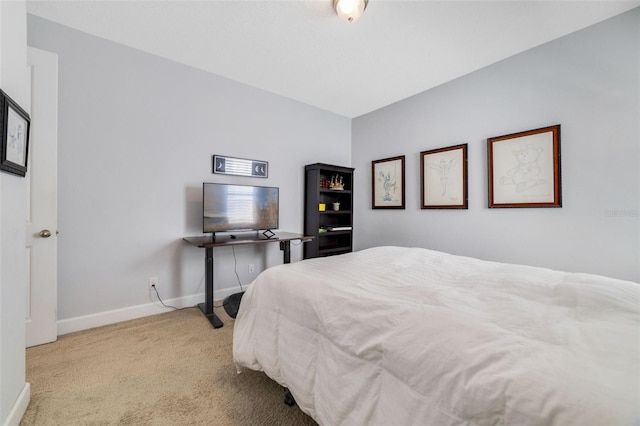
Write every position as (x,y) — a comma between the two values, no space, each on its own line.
(208,243)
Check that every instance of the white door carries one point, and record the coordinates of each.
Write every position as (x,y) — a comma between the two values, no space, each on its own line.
(42,198)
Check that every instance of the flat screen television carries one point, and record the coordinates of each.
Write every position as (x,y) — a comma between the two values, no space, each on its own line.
(232,208)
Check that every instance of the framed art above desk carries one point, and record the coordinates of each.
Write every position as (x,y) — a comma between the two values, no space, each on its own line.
(209,242)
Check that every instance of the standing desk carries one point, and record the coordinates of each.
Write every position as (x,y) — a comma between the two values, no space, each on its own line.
(208,242)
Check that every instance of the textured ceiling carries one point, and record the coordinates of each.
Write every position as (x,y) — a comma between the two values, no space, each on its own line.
(301,50)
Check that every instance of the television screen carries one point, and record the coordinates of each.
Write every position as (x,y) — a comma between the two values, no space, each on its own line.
(229,207)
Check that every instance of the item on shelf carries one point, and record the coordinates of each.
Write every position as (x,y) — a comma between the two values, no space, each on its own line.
(324,183)
(338,228)
(336,207)
(337,183)
(322,207)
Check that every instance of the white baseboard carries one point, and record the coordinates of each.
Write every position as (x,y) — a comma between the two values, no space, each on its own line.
(20,407)
(86,322)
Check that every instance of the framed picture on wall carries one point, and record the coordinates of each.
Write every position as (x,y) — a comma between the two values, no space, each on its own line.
(14,125)
(443,183)
(240,166)
(388,183)
(524,169)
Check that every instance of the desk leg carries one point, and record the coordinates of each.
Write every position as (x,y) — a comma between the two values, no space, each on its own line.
(207,306)
(286,247)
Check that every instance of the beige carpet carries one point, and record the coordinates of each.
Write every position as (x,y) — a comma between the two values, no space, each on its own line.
(168,369)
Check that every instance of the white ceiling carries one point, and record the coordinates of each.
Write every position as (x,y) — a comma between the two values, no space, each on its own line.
(301,50)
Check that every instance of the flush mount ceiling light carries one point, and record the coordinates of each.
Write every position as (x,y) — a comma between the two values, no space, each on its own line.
(350,10)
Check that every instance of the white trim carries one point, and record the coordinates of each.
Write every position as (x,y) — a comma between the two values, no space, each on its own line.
(85,322)
(20,407)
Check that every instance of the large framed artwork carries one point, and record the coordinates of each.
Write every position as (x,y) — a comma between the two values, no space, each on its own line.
(388,183)
(524,169)
(443,183)
(14,127)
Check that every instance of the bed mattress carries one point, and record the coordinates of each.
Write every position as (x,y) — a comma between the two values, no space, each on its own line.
(411,336)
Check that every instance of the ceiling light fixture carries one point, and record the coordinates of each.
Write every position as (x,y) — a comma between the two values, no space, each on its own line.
(350,10)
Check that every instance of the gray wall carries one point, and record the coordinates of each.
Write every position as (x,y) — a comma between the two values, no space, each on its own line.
(136,136)
(14,391)
(589,83)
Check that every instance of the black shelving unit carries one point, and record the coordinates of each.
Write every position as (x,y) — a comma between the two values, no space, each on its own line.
(332,229)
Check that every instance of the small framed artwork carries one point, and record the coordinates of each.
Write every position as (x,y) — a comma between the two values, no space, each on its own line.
(443,183)
(14,125)
(388,183)
(240,166)
(524,169)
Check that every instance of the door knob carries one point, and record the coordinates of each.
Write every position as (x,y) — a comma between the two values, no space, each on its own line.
(45,233)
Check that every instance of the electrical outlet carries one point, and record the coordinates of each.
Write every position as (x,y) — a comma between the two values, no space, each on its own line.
(251,268)
(153,282)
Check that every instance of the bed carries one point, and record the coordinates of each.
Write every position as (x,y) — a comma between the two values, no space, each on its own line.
(411,336)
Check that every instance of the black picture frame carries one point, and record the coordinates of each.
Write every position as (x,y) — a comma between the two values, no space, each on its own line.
(240,166)
(388,183)
(14,125)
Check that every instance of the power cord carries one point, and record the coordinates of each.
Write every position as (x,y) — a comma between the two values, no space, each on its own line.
(153,286)
(186,307)
(235,268)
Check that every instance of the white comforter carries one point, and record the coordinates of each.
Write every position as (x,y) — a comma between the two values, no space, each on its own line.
(407,336)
